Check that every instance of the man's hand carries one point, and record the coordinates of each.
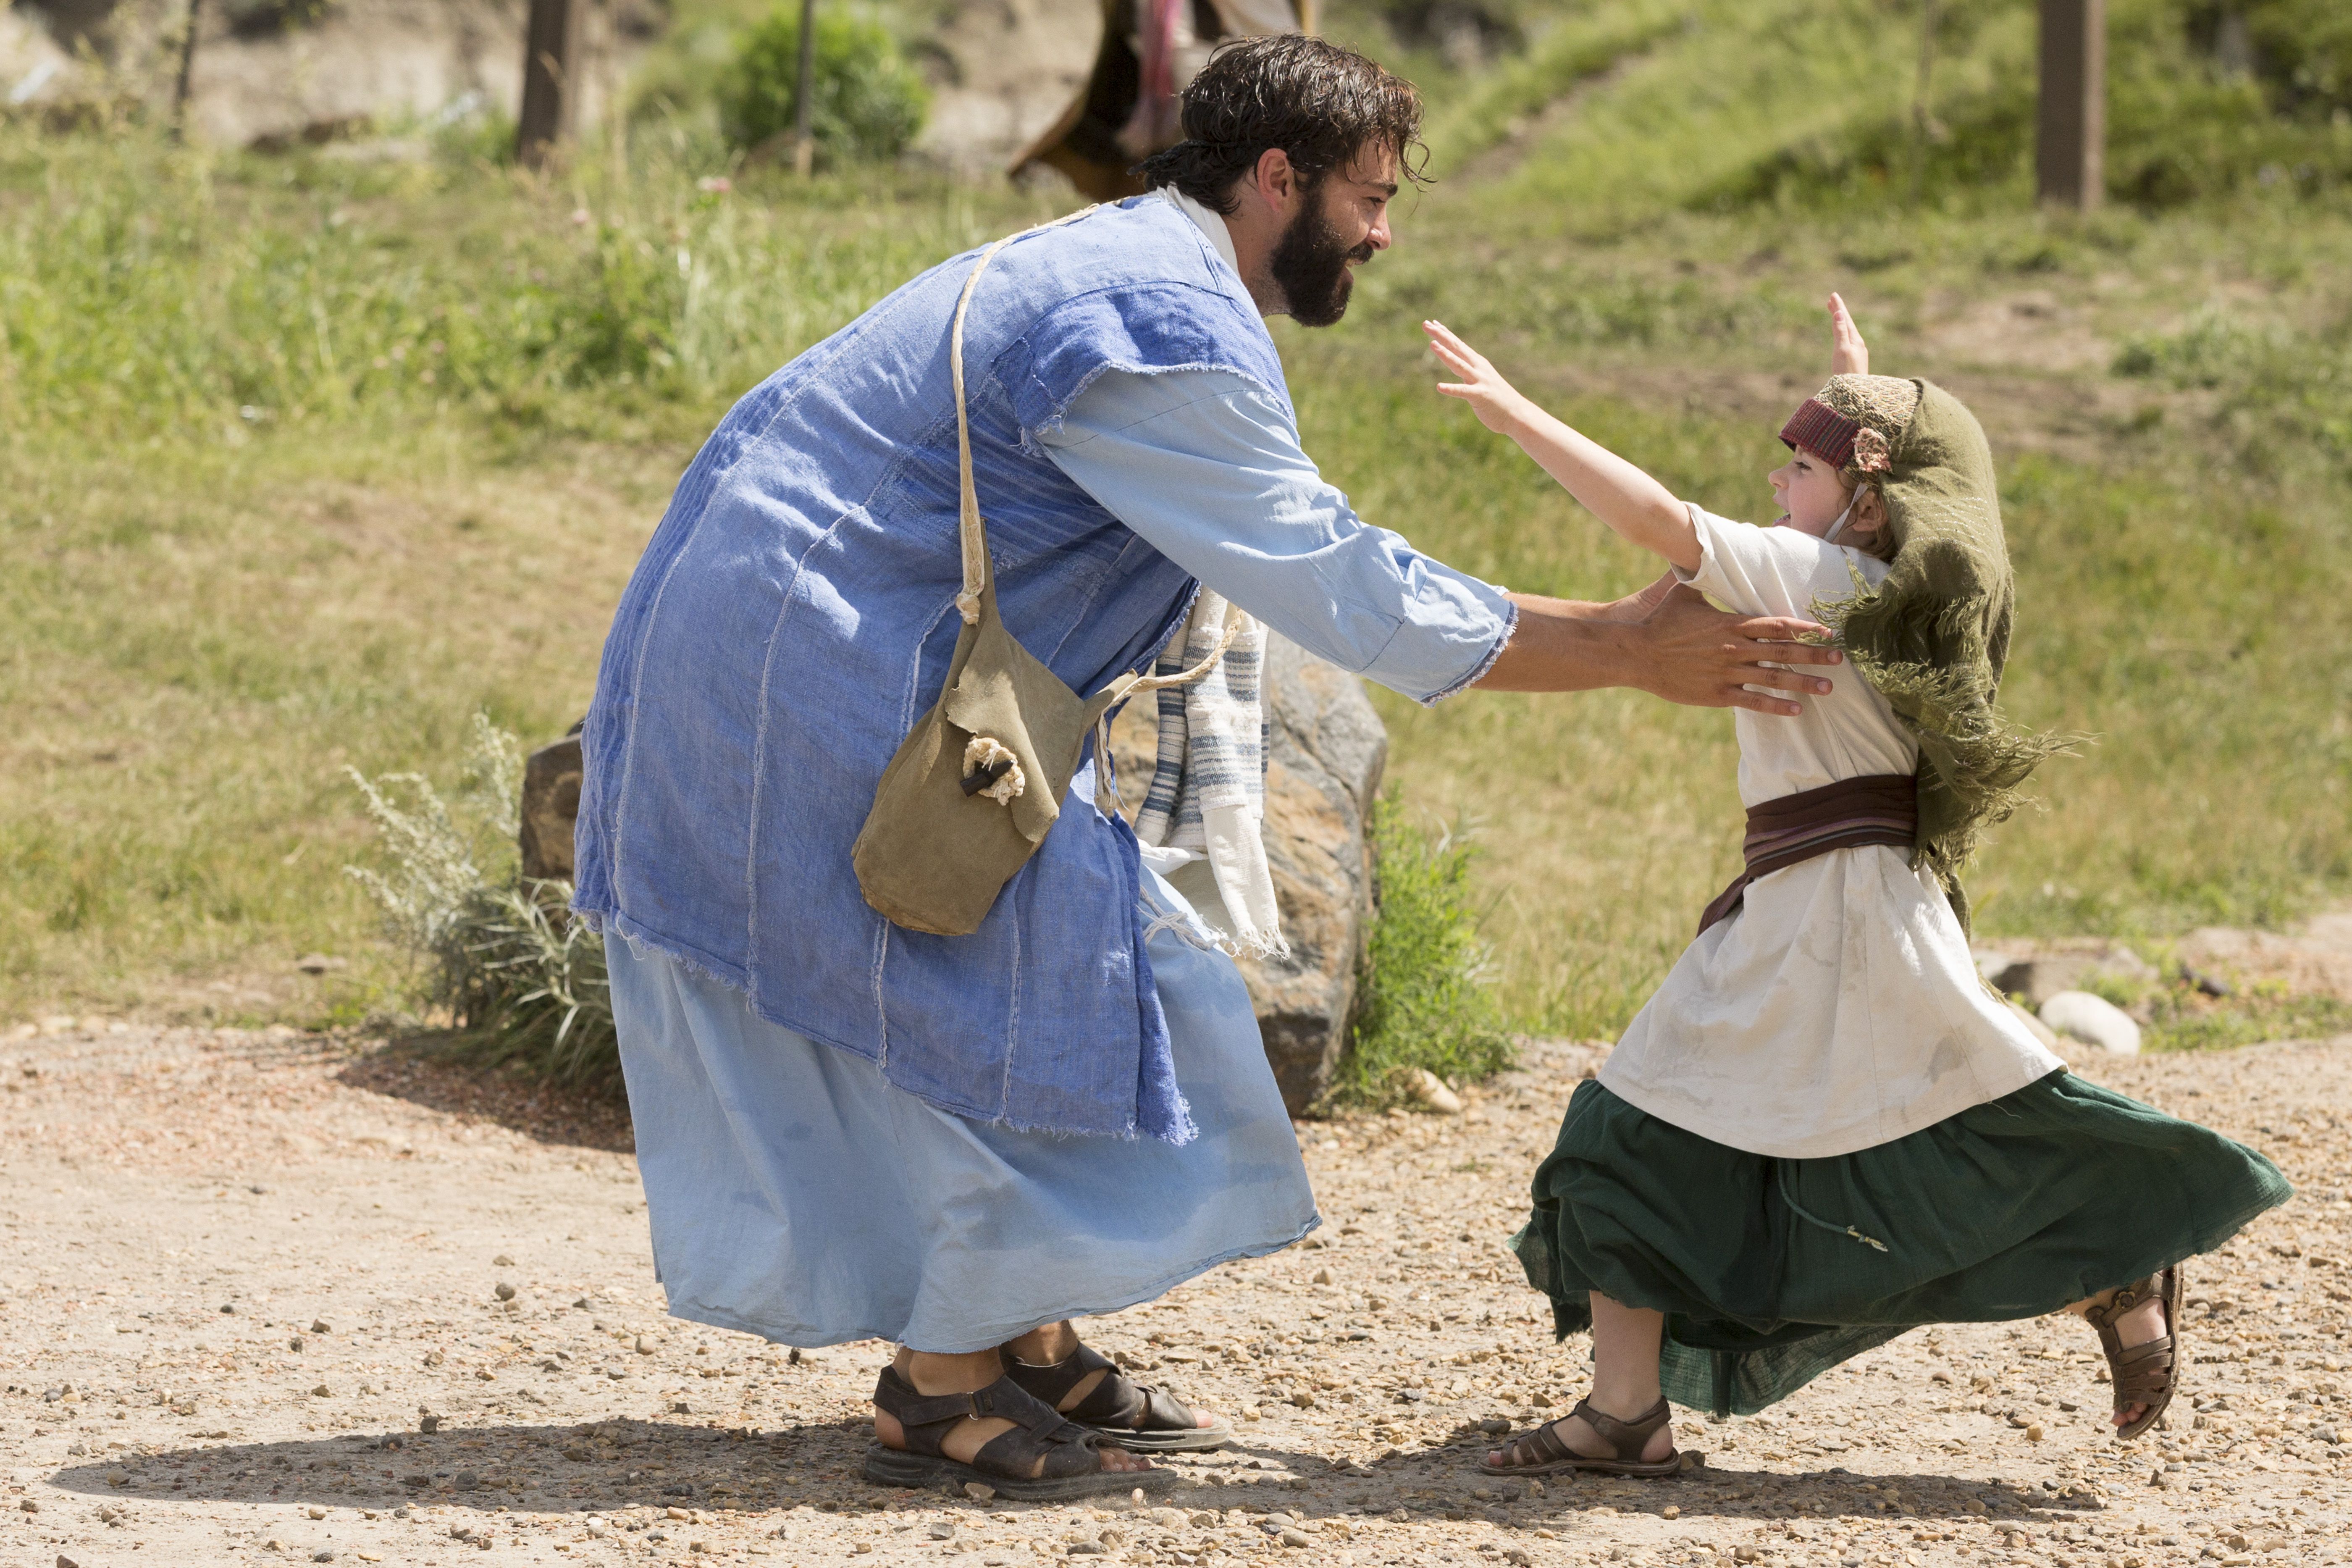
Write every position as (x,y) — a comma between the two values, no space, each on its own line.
(1666,640)
(1698,656)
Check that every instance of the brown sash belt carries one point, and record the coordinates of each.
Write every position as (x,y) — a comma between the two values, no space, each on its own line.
(1876,808)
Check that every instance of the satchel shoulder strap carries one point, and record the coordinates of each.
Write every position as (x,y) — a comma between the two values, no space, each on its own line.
(974,533)
(979,575)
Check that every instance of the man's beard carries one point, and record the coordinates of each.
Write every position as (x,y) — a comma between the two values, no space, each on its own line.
(1310,265)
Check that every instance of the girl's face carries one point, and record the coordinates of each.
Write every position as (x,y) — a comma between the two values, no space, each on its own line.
(1809,492)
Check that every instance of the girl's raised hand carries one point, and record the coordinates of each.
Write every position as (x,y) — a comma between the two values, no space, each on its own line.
(1849,356)
(1496,401)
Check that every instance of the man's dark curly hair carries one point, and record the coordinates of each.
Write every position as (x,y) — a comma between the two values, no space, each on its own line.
(1320,103)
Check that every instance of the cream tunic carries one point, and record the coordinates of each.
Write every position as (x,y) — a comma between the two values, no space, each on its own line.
(1838,1008)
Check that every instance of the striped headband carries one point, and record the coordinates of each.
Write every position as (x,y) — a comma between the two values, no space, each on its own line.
(1818,427)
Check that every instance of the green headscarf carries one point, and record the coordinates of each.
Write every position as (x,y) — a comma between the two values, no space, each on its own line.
(1934,637)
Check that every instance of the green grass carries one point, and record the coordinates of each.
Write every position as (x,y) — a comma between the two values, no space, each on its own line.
(2179,1016)
(210,612)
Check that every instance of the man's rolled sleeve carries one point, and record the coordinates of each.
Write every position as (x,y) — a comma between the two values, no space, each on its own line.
(1206,467)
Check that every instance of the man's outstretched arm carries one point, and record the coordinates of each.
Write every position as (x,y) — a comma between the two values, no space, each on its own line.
(1675,645)
(1205,467)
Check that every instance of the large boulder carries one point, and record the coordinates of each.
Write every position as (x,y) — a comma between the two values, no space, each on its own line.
(551,806)
(1327,748)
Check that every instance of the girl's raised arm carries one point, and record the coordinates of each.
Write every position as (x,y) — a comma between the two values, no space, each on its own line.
(1639,509)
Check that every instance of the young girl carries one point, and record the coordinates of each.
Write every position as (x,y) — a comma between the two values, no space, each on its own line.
(1824,1128)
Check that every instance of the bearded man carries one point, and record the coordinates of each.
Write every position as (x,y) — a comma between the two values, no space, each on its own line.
(853,1129)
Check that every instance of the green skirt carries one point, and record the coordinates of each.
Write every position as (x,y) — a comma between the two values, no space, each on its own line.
(1772,1271)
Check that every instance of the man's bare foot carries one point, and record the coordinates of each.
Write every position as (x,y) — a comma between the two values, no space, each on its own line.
(967,1375)
(1582,1439)
(1055,1343)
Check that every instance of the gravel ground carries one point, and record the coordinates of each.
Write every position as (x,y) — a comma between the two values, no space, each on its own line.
(244,1272)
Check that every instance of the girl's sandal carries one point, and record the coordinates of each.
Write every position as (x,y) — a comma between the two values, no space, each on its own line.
(1541,1452)
(1008,1462)
(2142,1374)
(1133,1415)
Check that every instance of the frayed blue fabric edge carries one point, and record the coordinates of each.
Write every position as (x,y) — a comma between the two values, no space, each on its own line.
(606,923)
(804,1338)
(1479,672)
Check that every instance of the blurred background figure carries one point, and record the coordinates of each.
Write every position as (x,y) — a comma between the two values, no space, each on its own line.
(1127,111)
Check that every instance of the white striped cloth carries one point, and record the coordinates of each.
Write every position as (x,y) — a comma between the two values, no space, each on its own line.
(1208,781)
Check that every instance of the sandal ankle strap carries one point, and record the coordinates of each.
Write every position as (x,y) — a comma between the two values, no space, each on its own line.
(1628,1438)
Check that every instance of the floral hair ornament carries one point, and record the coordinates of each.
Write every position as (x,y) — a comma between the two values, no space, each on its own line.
(1872,455)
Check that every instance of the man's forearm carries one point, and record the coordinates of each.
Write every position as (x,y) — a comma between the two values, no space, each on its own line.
(1565,645)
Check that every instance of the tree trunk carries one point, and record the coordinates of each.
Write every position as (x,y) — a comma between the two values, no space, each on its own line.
(187,72)
(2069,144)
(551,96)
(805,94)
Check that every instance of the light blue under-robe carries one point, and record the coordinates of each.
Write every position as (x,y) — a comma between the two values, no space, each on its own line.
(796,1194)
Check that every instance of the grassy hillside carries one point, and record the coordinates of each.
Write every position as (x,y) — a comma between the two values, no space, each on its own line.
(311,459)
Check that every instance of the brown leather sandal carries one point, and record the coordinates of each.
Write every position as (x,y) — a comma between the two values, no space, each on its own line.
(2144,1374)
(1008,1462)
(1133,1415)
(1541,1452)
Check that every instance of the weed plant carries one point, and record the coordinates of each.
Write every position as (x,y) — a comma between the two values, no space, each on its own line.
(520,984)
(1424,998)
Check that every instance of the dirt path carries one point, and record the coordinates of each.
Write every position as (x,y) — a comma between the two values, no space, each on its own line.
(239,1269)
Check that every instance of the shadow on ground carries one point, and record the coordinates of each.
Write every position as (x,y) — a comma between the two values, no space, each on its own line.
(602,1466)
(549,1469)
(423,1070)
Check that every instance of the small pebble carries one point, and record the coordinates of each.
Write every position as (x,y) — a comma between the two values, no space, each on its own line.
(502,1261)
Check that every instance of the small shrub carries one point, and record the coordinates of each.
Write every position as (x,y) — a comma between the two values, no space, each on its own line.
(521,983)
(868,104)
(1424,1001)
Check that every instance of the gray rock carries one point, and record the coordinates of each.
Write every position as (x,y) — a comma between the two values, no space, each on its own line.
(1327,751)
(550,804)
(2094,1019)
(2039,979)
